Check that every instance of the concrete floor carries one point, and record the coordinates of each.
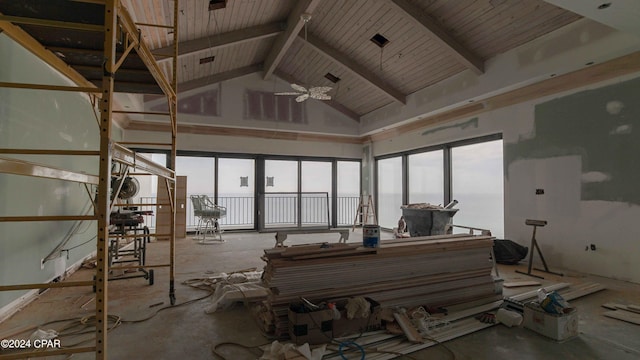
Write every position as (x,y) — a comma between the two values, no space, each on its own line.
(186,332)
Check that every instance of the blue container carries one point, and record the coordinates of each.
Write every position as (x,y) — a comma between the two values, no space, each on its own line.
(371,236)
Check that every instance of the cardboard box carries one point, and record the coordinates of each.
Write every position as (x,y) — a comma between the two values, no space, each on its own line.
(344,326)
(559,327)
(312,327)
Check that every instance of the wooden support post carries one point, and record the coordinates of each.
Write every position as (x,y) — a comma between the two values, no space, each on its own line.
(104,186)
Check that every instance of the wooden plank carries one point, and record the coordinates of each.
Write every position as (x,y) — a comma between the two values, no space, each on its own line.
(614,306)
(514,284)
(624,315)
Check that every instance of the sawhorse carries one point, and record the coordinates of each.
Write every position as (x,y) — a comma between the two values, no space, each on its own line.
(534,244)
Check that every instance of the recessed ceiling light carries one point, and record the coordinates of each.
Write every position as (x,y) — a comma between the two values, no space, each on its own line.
(207,59)
(379,40)
(604,6)
(334,79)
(217,4)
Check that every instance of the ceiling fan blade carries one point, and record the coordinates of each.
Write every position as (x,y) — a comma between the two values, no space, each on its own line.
(302,97)
(320,89)
(299,88)
(288,93)
(321,96)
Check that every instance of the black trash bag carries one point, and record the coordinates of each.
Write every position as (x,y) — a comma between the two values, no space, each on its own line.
(508,252)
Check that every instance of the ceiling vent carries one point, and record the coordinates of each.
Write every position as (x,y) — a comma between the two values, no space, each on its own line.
(334,79)
(379,40)
(207,59)
(217,4)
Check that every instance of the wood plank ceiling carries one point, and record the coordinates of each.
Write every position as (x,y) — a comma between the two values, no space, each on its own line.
(458,35)
(429,40)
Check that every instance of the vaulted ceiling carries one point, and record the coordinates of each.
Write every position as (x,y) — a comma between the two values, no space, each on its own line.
(427,41)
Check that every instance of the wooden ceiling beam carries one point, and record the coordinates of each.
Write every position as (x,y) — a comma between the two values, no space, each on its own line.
(216,78)
(332,103)
(438,34)
(356,69)
(285,39)
(221,40)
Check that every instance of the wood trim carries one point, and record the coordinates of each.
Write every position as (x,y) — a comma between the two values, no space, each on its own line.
(624,65)
(611,69)
(283,41)
(437,33)
(228,131)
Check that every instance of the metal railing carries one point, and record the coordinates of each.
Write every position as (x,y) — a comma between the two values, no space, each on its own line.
(281,210)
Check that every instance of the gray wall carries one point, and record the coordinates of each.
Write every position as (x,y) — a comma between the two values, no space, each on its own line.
(37,119)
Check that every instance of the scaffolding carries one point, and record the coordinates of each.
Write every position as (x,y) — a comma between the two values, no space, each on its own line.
(120,31)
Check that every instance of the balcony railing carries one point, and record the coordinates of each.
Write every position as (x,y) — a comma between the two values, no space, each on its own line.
(281,210)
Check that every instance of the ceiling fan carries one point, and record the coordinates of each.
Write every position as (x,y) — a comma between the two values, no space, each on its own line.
(314,92)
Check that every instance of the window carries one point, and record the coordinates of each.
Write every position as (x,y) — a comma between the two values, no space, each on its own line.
(316,198)
(348,188)
(389,191)
(469,171)
(238,198)
(477,184)
(426,177)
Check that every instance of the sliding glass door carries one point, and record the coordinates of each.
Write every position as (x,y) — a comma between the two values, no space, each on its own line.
(348,189)
(236,189)
(201,177)
(315,209)
(281,194)
(389,191)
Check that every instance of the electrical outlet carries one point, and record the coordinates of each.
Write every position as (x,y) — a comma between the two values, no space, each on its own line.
(41,264)
(539,191)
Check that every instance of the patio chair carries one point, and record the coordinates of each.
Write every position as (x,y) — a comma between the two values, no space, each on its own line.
(208,215)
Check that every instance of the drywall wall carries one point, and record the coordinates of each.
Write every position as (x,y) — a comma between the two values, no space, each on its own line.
(37,119)
(568,49)
(250,145)
(580,147)
(248,102)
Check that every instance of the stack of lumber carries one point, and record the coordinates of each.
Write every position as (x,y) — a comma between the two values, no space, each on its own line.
(429,271)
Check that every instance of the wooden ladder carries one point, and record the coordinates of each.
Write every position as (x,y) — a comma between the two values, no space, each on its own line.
(364,212)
